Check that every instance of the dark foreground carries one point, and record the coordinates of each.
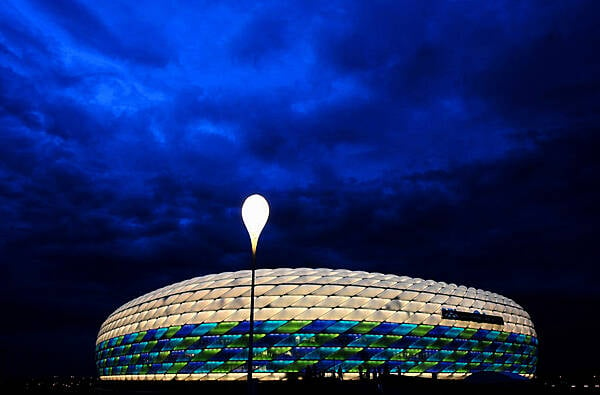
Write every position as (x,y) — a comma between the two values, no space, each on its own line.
(326,386)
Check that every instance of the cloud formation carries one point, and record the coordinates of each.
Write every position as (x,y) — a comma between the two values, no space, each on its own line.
(444,140)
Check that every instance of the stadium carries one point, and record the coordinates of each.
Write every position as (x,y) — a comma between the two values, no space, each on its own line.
(315,321)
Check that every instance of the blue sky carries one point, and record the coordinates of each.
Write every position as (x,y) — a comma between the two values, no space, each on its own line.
(448,140)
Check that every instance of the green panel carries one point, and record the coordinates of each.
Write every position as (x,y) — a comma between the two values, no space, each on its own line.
(140,336)
(490,357)
(467,333)
(222,327)
(319,339)
(502,336)
(275,351)
(228,366)
(172,330)
(162,356)
(373,363)
(345,353)
(241,341)
(177,366)
(439,343)
(205,355)
(228,340)
(421,330)
(421,367)
(442,355)
(363,327)
(405,355)
(292,326)
(481,345)
(386,341)
(299,365)
(187,342)
(134,359)
(150,345)
(281,365)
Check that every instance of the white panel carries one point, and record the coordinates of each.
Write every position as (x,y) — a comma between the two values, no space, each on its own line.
(349,291)
(408,295)
(389,294)
(285,301)
(331,301)
(312,313)
(424,297)
(370,292)
(240,315)
(375,303)
(238,303)
(309,301)
(399,317)
(355,302)
(327,290)
(264,301)
(336,314)
(379,315)
(289,313)
(283,289)
(262,289)
(237,291)
(359,315)
(304,289)
(266,313)
(413,306)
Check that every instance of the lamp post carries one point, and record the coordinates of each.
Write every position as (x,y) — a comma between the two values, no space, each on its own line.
(255,212)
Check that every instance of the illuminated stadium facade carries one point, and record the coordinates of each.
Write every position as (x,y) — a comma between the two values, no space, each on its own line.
(315,320)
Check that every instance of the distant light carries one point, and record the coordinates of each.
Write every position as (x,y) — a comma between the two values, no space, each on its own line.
(255,212)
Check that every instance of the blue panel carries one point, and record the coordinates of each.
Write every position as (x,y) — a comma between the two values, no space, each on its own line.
(454,332)
(326,365)
(129,338)
(365,340)
(317,326)
(268,326)
(299,352)
(202,329)
(150,335)
(369,353)
(294,339)
(403,329)
(228,353)
(185,330)
(341,326)
(270,339)
(481,334)
(242,328)
(160,332)
(384,328)
(438,331)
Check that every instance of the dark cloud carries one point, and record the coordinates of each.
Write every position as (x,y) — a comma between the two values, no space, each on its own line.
(438,140)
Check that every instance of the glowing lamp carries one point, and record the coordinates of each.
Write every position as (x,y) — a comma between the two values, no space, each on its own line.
(255,212)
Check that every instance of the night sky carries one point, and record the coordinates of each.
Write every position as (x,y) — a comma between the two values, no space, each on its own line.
(454,141)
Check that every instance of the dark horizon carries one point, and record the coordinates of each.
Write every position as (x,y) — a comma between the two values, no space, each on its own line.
(453,141)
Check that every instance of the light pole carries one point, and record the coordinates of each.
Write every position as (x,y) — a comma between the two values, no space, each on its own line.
(255,212)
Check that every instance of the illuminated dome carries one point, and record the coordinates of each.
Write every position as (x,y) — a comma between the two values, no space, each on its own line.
(315,320)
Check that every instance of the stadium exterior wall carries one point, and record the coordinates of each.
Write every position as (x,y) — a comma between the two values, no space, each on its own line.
(315,320)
